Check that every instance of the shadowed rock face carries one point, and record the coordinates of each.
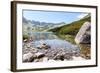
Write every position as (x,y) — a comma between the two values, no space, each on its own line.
(84,34)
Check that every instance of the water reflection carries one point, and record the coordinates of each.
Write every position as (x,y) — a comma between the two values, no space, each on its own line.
(85,51)
(42,35)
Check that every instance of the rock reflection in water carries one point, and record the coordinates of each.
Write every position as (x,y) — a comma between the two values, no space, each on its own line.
(42,36)
(85,51)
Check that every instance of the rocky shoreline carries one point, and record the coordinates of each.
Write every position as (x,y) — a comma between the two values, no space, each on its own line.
(45,53)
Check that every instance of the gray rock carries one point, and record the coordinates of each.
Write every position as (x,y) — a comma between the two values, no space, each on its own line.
(29,57)
(34,50)
(43,46)
(39,55)
(68,56)
(45,59)
(59,57)
(36,60)
(25,40)
(28,45)
(84,34)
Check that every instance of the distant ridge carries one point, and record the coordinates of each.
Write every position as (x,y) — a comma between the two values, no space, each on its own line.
(71,28)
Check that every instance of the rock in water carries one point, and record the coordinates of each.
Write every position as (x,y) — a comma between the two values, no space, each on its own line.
(28,57)
(39,55)
(84,34)
(43,46)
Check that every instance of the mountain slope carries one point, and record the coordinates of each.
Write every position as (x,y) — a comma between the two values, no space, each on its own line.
(40,26)
(71,28)
(69,31)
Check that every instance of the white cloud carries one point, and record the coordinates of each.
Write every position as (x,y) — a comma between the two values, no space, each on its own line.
(81,15)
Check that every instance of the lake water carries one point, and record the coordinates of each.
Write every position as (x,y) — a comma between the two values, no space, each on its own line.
(53,41)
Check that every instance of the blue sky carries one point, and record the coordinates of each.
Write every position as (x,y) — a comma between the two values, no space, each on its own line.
(53,17)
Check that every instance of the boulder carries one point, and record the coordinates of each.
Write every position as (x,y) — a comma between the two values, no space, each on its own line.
(39,55)
(29,57)
(28,45)
(45,59)
(34,50)
(43,46)
(68,56)
(84,34)
(36,60)
(59,57)
(25,40)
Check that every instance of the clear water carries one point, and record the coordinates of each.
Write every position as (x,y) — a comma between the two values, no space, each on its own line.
(53,41)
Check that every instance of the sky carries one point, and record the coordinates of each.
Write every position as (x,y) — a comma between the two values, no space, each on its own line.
(53,16)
